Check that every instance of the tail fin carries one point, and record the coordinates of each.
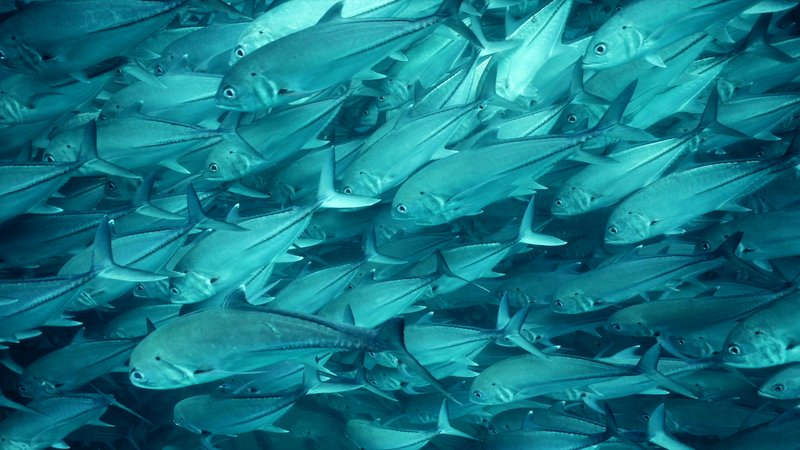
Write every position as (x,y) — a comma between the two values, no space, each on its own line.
(611,122)
(88,154)
(758,39)
(657,433)
(512,333)
(448,11)
(710,115)
(102,259)
(577,92)
(372,254)
(196,216)
(648,365)
(327,197)
(141,201)
(391,337)
(443,267)
(528,236)
(443,425)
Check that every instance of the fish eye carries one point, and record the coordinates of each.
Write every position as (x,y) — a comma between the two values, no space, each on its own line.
(140,287)
(558,303)
(23,388)
(705,245)
(240,52)
(138,376)
(111,186)
(229,93)
(347,190)
(401,208)
(616,327)
(477,394)
(176,422)
(734,350)
(49,158)
(481,107)
(213,168)
(613,230)
(600,49)
(2,55)
(760,154)
(778,387)
(646,417)
(680,341)
(572,118)
(174,291)
(160,69)
(558,202)
(365,112)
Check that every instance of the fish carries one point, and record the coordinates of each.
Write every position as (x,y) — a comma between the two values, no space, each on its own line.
(640,216)
(399,224)
(268,76)
(632,33)
(73,366)
(373,436)
(156,365)
(51,420)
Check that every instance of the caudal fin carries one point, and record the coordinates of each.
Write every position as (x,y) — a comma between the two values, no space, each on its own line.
(611,122)
(88,154)
(103,261)
(327,197)
(528,236)
(657,433)
(391,337)
(443,425)
(197,216)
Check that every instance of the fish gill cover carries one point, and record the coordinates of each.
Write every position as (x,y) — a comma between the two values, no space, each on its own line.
(397,224)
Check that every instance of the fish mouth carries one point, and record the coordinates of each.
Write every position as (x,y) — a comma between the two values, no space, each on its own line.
(227,107)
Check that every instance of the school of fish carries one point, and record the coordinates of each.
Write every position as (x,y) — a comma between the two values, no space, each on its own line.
(399,224)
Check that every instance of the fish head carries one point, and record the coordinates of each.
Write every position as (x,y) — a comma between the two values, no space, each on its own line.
(9,442)
(243,89)
(571,201)
(191,288)
(181,414)
(627,227)
(627,327)
(573,300)
(693,345)
(151,367)
(713,238)
(151,289)
(484,391)
(616,42)
(17,55)
(361,182)
(64,147)
(423,208)
(784,385)
(230,160)
(752,348)
(31,386)
(395,94)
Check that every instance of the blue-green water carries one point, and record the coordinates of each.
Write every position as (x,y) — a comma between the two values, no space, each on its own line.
(397,224)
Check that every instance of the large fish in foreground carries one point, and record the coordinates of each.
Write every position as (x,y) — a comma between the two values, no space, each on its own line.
(213,344)
(317,58)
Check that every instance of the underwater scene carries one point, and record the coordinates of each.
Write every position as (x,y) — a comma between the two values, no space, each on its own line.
(399,224)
